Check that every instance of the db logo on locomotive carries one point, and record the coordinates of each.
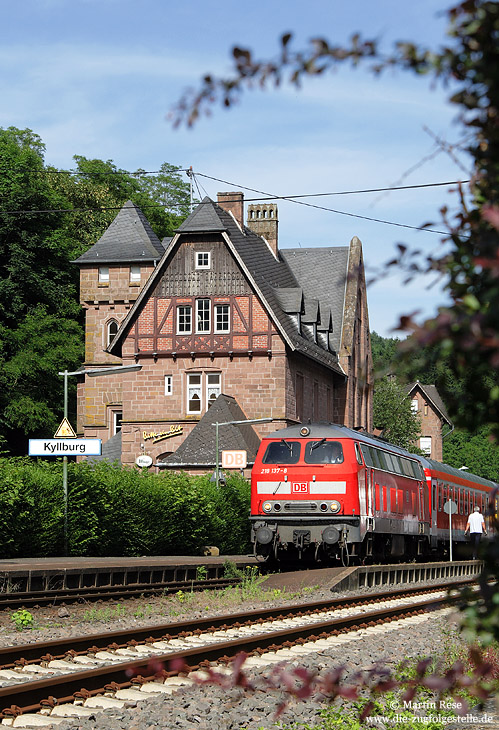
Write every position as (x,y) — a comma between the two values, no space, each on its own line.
(300,487)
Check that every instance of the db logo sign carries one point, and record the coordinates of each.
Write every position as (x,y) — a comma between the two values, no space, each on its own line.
(234,459)
(300,487)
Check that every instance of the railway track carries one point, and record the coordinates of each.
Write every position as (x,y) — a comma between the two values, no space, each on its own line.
(131,664)
(134,590)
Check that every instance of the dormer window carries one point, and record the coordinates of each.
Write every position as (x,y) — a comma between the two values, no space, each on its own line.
(203,260)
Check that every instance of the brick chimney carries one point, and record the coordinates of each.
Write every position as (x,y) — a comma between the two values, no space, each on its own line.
(263,220)
(233,202)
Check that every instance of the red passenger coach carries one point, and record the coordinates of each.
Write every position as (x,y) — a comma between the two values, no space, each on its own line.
(467,491)
(324,491)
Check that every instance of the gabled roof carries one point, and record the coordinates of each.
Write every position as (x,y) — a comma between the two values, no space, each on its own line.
(329,287)
(129,238)
(203,219)
(431,393)
(199,448)
(267,275)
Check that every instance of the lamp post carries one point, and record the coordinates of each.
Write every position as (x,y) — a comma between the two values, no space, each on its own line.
(231,423)
(93,373)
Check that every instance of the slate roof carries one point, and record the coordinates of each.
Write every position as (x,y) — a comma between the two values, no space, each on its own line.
(276,280)
(129,239)
(111,450)
(329,287)
(432,395)
(203,219)
(200,445)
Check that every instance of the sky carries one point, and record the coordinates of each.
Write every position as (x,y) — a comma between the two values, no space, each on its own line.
(99,78)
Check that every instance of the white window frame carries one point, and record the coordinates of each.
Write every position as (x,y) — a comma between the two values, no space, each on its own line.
(425,444)
(191,387)
(135,274)
(209,386)
(414,405)
(206,322)
(109,337)
(199,264)
(185,307)
(218,307)
(168,384)
(117,421)
(103,274)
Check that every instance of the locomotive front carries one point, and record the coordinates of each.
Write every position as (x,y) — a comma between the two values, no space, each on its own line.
(305,494)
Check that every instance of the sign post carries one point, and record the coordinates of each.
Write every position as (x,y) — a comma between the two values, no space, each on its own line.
(450,508)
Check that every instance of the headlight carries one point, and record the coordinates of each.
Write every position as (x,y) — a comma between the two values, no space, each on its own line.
(266,506)
(335,506)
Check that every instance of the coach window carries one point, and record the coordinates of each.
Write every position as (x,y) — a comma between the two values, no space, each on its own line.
(357,454)
(389,462)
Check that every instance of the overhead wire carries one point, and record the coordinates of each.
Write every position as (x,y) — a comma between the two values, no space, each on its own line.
(293,199)
(297,199)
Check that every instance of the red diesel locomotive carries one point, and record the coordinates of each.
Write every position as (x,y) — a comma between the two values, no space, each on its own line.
(324,491)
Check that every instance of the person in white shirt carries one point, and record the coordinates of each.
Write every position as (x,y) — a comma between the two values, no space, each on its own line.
(476,527)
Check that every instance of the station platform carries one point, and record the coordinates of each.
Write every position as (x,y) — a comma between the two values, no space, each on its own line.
(45,574)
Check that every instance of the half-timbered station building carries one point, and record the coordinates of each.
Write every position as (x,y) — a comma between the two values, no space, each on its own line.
(219,309)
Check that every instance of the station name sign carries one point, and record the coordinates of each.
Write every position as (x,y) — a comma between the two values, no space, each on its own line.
(65,447)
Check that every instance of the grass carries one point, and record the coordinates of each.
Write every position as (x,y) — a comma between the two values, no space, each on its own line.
(107,613)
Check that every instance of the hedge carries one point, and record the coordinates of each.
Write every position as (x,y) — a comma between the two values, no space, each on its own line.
(120,511)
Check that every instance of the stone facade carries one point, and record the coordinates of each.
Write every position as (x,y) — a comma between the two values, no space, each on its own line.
(205,319)
(427,403)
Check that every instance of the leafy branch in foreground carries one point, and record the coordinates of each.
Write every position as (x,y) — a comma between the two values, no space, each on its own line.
(465,683)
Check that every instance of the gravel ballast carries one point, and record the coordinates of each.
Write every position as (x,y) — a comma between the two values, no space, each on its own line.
(209,707)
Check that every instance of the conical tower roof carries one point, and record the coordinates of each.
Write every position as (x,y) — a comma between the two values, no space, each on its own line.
(129,238)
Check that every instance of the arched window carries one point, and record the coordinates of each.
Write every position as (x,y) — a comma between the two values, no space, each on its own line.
(111,331)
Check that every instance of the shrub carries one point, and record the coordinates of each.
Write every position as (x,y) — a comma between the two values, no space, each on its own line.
(114,510)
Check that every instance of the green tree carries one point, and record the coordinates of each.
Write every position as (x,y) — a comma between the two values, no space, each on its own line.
(392,414)
(48,218)
(384,352)
(477,451)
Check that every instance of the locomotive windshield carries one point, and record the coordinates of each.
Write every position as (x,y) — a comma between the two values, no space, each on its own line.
(282,452)
(323,452)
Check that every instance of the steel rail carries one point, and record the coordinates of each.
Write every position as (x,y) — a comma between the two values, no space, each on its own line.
(33,695)
(59,648)
(72,595)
